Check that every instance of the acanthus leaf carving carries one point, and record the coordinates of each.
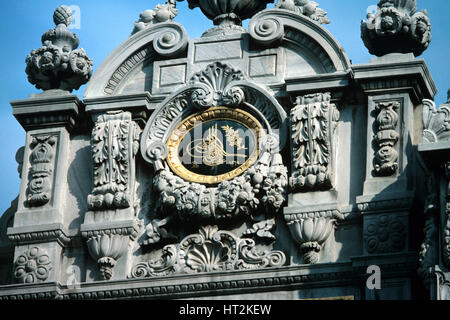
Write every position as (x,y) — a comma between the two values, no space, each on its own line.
(115,142)
(313,122)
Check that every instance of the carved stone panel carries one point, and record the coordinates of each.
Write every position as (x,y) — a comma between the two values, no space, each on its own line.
(386,138)
(41,172)
(115,142)
(313,123)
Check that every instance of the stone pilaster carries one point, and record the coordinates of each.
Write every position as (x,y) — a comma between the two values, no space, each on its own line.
(39,233)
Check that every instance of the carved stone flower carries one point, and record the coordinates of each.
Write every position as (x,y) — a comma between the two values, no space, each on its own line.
(32,266)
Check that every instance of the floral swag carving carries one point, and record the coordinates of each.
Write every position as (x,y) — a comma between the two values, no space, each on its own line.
(209,250)
(257,194)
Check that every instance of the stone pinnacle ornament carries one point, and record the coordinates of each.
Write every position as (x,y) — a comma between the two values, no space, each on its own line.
(58,64)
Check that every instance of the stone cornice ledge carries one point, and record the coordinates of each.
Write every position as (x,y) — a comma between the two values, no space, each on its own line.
(319,82)
(47,110)
(384,76)
(39,234)
(219,283)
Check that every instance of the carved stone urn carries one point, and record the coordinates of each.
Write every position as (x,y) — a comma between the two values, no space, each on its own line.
(310,231)
(229,11)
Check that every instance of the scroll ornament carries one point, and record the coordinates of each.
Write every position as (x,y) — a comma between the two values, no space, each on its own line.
(386,138)
(58,64)
(41,172)
(209,250)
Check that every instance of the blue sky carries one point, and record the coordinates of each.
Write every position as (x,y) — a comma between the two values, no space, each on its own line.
(107,23)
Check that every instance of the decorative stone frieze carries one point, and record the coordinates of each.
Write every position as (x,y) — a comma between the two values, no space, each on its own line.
(313,123)
(446,226)
(307,8)
(115,142)
(32,266)
(396,27)
(41,172)
(208,251)
(58,64)
(386,138)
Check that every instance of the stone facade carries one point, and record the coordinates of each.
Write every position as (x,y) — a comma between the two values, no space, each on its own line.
(308,171)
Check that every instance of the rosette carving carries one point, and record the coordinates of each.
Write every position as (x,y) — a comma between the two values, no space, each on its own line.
(32,266)
(396,27)
(386,234)
(58,64)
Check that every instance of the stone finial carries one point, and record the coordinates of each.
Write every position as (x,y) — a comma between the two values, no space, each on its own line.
(305,7)
(396,27)
(58,64)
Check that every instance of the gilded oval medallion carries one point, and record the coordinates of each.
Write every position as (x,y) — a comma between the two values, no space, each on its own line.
(214,145)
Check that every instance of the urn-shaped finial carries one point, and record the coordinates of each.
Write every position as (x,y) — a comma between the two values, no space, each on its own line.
(396,27)
(228,14)
(58,64)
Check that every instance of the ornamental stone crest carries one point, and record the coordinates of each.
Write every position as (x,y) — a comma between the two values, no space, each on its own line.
(58,64)
(396,27)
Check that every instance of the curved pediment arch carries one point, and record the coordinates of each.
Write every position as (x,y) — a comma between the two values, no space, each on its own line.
(163,39)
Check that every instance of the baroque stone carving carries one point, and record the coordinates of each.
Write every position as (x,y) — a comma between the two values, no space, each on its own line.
(396,27)
(428,253)
(446,235)
(311,230)
(386,138)
(106,247)
(115,142)
(305,7)
(436,122)
(313,122)
(58,64)
(216,91)
(385,235)
(258,192)
(32,266)
(41,172)
(229,12)
(162,13)
(208,251)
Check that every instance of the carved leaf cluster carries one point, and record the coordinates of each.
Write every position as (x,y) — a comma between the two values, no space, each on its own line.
(396,27)
(307,8)
(313,122)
